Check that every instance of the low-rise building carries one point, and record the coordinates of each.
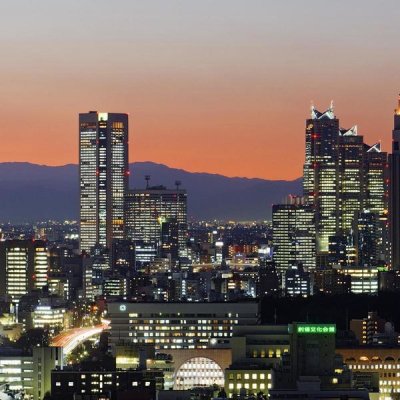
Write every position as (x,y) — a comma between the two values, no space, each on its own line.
(71,384)
(177,325)
(30,373)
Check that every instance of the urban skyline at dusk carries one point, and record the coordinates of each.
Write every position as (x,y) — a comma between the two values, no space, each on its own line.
(200,200)
(229,83)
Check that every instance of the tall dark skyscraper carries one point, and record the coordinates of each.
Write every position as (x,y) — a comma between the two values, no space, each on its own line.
(104,174)
(321,173)
(342,177)
(395,191)
(351,177)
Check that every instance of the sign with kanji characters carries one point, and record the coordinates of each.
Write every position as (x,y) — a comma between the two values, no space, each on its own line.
(316,329)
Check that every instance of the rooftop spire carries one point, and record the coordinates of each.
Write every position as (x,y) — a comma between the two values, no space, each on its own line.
(397,110)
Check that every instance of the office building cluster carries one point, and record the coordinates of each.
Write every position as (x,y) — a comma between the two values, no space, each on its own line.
(342,233)
(136,301)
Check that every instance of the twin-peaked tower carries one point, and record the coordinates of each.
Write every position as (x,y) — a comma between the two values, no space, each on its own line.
(104,174)
(342,178)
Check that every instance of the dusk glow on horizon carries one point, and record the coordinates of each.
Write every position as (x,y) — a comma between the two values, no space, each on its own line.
(220,87)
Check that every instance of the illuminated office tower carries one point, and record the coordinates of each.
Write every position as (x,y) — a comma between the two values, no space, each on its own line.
(146,212)
(104,173)
(23,267)
(351,177)
(376,180)
(321,173)
(395,191)
(342,177)
(41,264)
(293,235)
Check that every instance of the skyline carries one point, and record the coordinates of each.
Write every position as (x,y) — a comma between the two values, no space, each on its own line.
(190,73)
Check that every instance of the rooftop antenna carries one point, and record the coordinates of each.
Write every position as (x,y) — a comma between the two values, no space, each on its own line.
(177,184)
(147,177)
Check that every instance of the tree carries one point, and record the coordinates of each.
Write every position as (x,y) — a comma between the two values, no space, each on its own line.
(33,338)
(222,394)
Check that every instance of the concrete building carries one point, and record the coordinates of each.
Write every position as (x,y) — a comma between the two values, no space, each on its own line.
(177,325)
(154,217)
(256,350)
(382,360)
(293,236)
(23,266)
(363,279)
(69,384)
(30,373)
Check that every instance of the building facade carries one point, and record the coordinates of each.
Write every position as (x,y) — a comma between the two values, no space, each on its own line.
(395,191)
(293,235)
(104,173)
(177,325)
(153,211)
(23,266)
(342,177)
(30,373)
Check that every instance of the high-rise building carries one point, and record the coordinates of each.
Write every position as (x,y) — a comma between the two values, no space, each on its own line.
(104,173)
(342,177)
(376,172)
(366,230)
(395,191)
(321,173)
(147,210)
(351,177)
(23,267)
(293,235)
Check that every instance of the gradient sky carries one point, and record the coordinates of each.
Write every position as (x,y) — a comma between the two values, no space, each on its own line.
(219,86)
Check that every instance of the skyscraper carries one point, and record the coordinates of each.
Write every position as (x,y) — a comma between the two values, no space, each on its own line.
(321,173)
(293,235)
(395,190)
(350,177)
(376,172)
(104,173)
(342,177)
(146,212)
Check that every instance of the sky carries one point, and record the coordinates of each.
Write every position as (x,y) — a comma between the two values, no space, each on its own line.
(219,86)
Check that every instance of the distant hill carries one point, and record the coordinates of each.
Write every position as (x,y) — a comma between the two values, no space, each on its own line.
(31,192)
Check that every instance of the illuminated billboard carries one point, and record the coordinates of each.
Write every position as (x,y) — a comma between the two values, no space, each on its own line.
(316,328)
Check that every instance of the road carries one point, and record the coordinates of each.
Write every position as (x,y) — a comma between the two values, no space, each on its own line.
(71,338)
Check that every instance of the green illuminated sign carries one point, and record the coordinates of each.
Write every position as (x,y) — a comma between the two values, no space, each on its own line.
(316,328)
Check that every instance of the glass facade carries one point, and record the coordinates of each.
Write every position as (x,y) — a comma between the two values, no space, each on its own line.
(104,173)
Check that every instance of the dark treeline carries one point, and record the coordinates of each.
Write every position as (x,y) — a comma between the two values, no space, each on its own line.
(338,309)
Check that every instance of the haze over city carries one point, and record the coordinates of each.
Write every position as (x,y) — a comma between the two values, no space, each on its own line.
(221,87)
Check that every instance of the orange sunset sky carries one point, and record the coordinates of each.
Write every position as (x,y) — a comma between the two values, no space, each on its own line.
(210,86)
